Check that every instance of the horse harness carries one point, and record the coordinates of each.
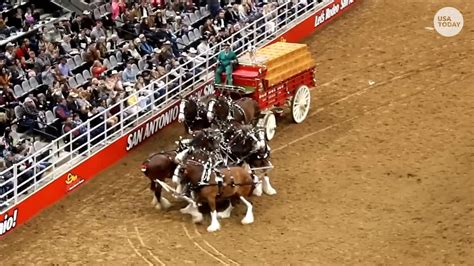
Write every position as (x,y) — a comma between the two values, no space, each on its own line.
(205,181)
(236,107)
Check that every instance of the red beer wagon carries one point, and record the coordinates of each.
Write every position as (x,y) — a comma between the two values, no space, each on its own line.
(275,76)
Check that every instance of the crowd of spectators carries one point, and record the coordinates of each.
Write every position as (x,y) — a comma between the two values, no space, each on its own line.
(53,81)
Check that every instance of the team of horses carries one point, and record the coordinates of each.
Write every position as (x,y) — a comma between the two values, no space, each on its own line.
(218,164)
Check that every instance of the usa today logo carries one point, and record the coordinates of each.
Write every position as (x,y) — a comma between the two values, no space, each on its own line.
(448,21)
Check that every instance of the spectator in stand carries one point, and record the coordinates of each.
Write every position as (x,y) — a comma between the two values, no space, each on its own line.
(220,21)
(28,115)
(93,54)
(102,46)
(196,61)
(112,43)
(132,102)
(47,76)
(62,110)
(58,76)
(66,44)
(208,28)
(232,13)
(18,74)
(5,78)
(46,57)
(270,26)
(203,47)
(128,75)
(22,51)
(36,64)
(134,50)
(115,9)
(10,51)
(17,20)
(98,31)
(4,30)
(145,47)
(98,69)
(64,68)
(29,19)
(114,82)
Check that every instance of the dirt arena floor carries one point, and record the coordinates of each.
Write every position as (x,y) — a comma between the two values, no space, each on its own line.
(378,174)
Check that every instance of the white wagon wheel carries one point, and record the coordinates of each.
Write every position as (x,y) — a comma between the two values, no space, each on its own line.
(300,104)
(269,122)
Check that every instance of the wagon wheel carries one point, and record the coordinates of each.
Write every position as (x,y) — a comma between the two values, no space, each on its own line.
(269,122)
(300,104)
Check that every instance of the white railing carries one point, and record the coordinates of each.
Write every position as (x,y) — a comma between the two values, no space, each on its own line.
(67,151)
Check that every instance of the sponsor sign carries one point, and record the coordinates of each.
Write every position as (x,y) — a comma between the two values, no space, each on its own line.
(8,222)
(73,181)
(164,119)
(330,11)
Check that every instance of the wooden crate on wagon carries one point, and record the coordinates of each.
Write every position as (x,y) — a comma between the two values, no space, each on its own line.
(276,75)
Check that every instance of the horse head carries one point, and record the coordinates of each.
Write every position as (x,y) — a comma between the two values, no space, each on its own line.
(218,108)
(188,109)
(258,134)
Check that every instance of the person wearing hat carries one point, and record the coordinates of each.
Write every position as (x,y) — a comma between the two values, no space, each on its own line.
(226,61)
(10,51)
(203,47)
(197,62)
(229,16)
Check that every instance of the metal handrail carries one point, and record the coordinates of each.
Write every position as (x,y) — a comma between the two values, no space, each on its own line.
(128,116)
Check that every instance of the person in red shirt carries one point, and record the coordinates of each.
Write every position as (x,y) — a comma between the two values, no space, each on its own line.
(98,69)
(22,51)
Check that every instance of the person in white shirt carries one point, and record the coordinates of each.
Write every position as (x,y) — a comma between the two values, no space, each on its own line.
(112,43)
(66,44)
(10,53)
(204,48)
(196,60)
(269,16)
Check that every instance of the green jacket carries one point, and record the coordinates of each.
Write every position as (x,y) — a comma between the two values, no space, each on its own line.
(226,58)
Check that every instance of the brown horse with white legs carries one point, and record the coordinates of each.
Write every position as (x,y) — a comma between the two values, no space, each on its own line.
(244,110)
(211,186)
(159,166)
(162,165)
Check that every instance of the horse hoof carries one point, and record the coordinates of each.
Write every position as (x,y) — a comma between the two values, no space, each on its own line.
(223,215)
(154,201)
(270,191)
(186,210)
(198,219)
(213,228)
(165,204)
(158,206)
(247,219)
(258,190)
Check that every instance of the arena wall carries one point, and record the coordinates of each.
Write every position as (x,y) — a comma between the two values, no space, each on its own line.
(115,151)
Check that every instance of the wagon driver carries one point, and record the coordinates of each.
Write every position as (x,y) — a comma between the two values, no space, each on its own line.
(226,61)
